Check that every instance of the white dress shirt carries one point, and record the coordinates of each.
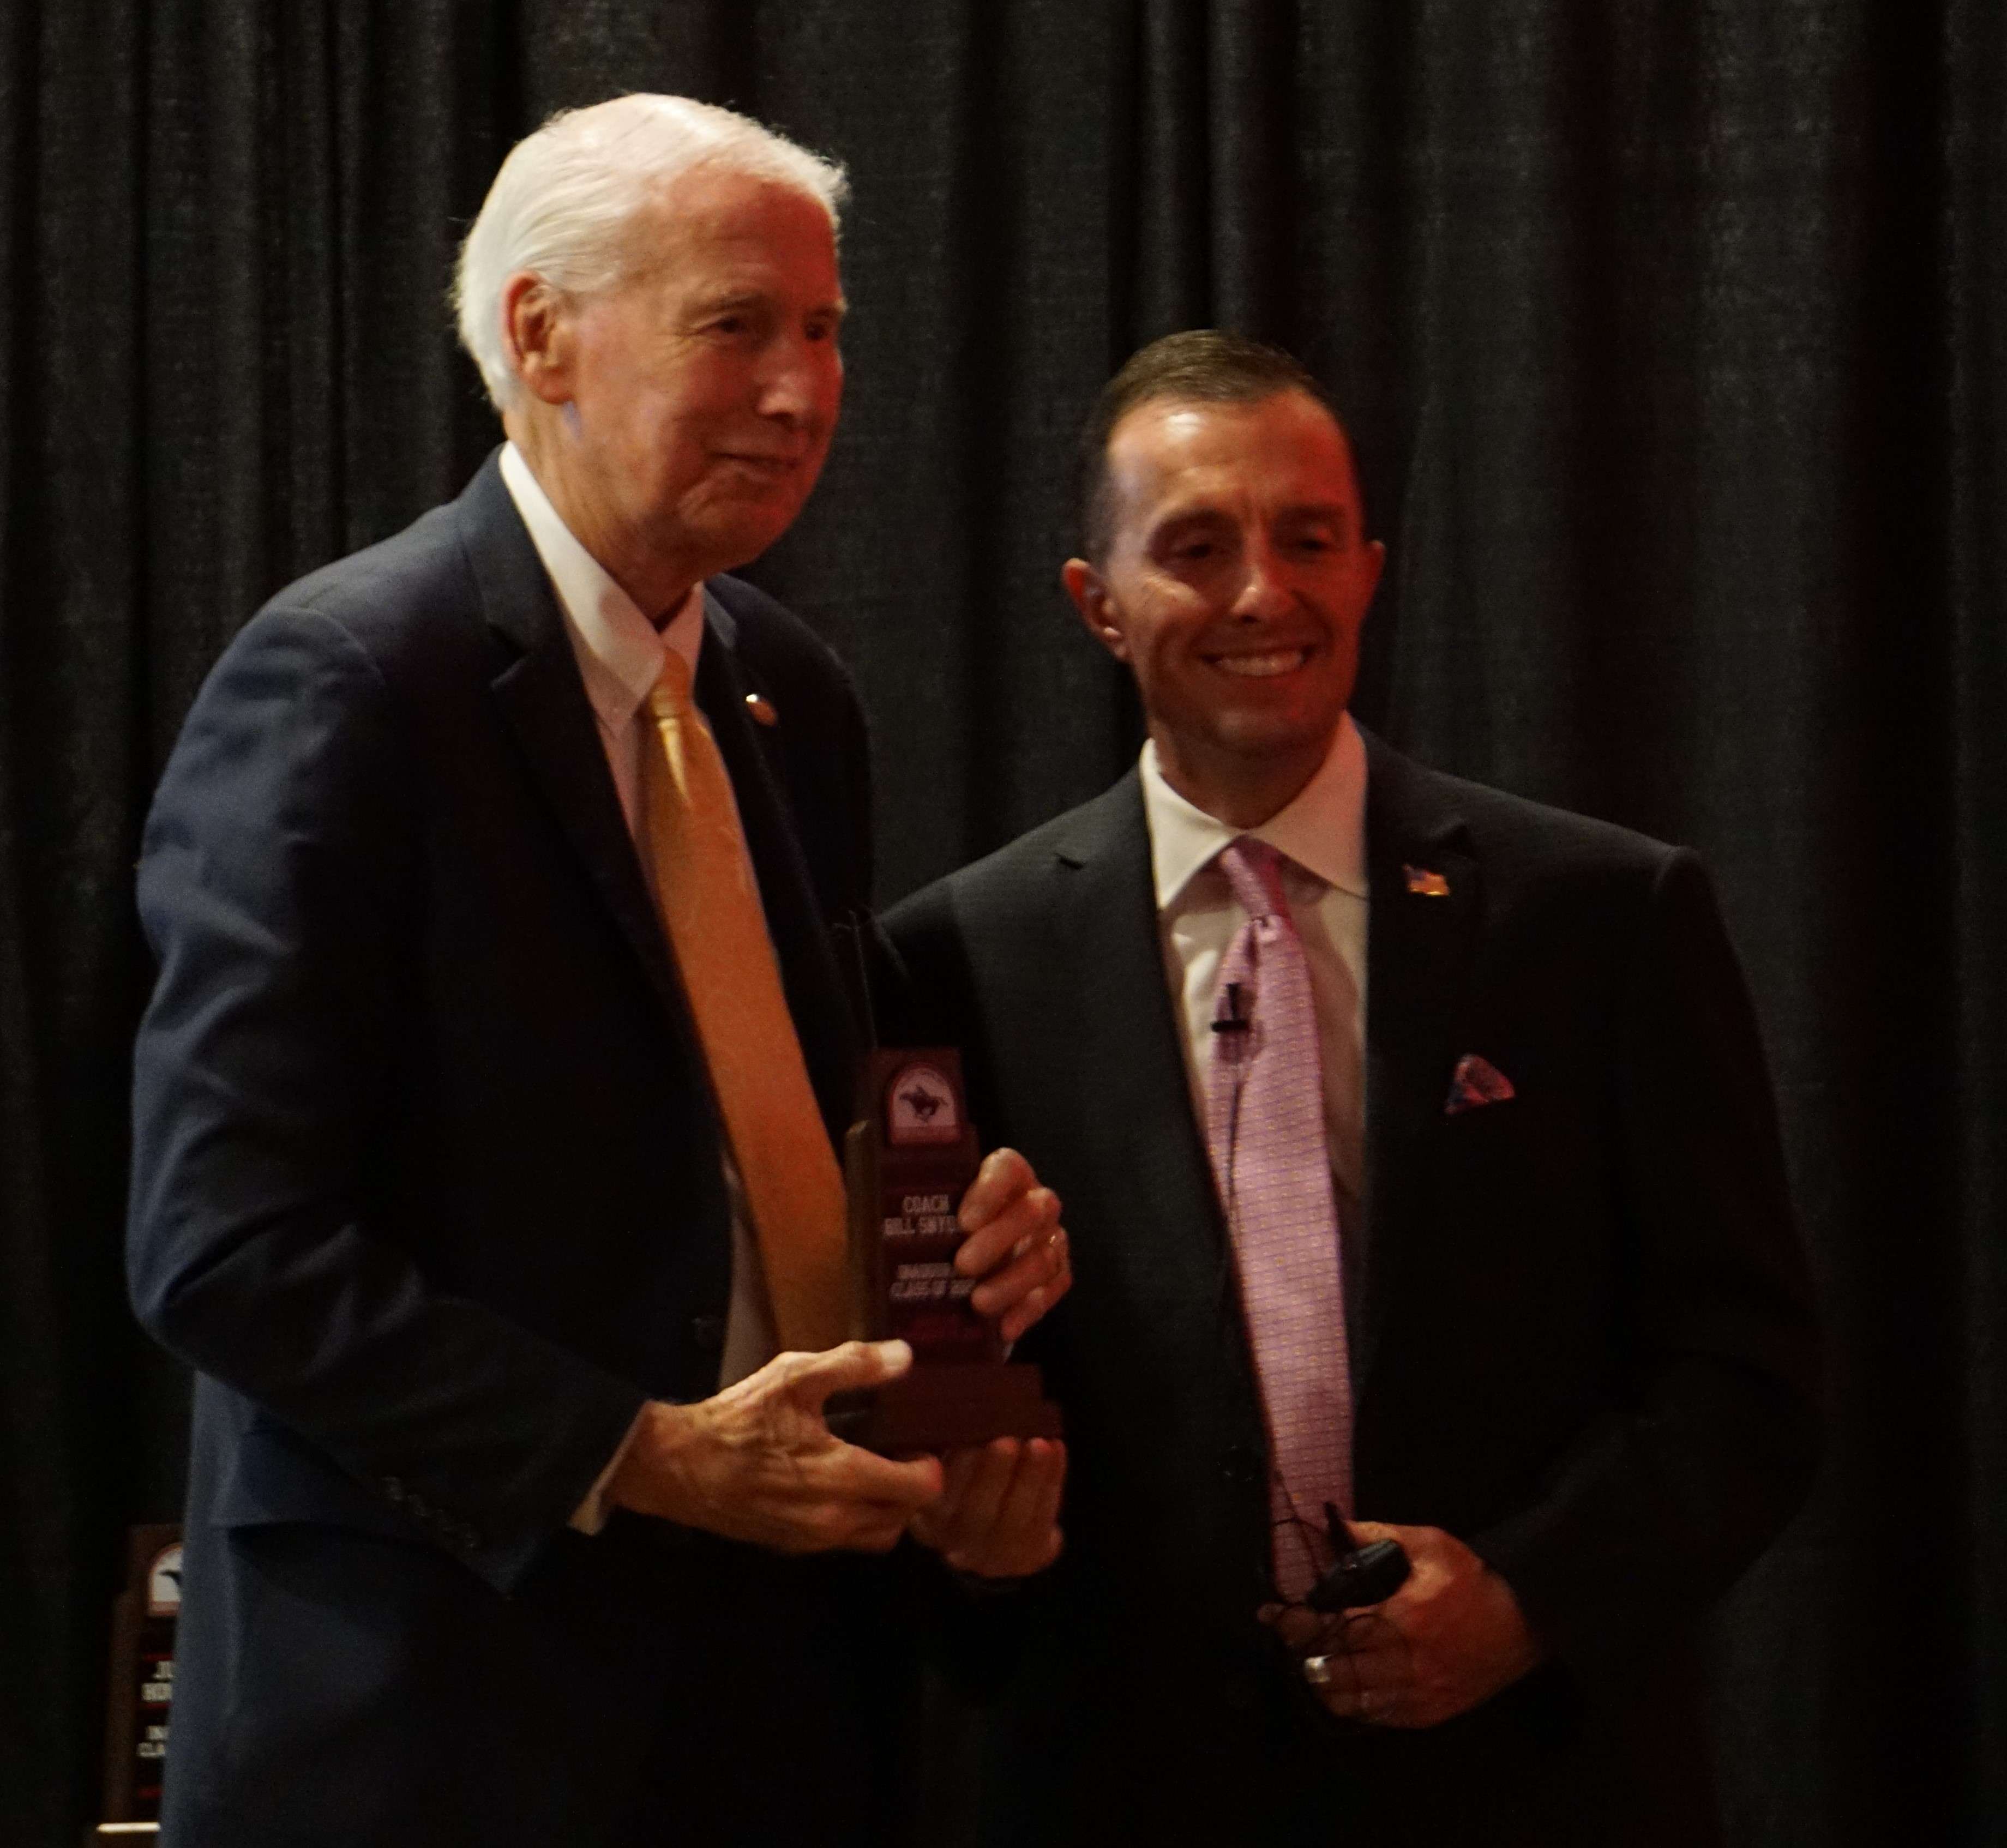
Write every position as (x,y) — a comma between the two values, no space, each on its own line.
(620,654)
(1322,835)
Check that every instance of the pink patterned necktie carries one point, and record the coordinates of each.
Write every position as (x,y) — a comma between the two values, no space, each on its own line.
(1265,1132)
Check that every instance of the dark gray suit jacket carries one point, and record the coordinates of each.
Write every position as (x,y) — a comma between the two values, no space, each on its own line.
(426,1187)
(1583,1341)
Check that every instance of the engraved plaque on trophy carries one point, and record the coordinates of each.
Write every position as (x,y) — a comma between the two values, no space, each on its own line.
(908,1160)
(142,1683)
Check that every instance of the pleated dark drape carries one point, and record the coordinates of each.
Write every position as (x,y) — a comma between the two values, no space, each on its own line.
(1674,334)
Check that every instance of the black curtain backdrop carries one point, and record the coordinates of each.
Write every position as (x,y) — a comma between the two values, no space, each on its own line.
(1673,335)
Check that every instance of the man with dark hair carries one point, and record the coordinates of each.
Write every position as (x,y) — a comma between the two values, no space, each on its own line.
(1424,1186)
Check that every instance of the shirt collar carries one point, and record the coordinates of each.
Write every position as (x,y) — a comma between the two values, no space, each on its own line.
(1323,830)
(619,652)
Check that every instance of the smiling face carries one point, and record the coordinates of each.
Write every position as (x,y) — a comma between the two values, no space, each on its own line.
(678,419)
(1235,585)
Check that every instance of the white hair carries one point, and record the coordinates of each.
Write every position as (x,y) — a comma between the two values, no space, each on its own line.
(562,204)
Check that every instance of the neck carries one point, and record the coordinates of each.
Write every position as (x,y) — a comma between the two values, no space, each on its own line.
(657,580)
(1241,792)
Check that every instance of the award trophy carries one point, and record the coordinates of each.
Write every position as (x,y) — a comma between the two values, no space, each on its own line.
(907,1160)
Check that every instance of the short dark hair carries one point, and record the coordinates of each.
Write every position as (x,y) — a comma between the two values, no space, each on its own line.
(1202,364)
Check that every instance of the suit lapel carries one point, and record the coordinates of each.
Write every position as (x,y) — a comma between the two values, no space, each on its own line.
(1419,938)
(542,699)
(1128,1063)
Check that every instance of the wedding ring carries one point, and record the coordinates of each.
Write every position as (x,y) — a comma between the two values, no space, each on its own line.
(1317,1670)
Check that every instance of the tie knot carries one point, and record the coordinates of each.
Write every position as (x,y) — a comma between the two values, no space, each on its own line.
(1254,869)
(670,697)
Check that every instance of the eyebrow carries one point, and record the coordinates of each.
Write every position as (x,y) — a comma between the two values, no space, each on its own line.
(1336,511)
(733,299)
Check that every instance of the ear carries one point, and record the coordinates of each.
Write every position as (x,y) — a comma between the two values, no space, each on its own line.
(1098,612)
(1376,562)
(536,323)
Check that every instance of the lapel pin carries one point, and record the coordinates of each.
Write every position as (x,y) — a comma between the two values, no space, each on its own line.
(1475,1083)
(1427,883)
(762,709)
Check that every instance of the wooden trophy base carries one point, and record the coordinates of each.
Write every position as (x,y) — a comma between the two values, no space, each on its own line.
(949,1406)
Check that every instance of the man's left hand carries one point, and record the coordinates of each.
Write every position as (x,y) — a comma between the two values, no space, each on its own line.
(1451,1637)
(1015,1244)
(998,1513)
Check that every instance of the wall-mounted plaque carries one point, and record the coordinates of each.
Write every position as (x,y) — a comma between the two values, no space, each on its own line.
(909,1159)
(141,1688)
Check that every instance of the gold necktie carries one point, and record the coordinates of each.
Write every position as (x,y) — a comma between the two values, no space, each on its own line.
(709,906)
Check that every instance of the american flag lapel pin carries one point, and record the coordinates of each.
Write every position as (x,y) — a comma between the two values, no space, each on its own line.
(1425,883)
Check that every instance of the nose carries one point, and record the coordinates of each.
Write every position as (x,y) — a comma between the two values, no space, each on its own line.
(800,379)
(1264,591)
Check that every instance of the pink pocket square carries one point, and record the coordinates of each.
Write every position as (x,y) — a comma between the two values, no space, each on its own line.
(1476,1083)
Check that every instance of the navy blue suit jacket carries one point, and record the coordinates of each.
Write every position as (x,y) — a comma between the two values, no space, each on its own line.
(1582,1338)
(426,1188)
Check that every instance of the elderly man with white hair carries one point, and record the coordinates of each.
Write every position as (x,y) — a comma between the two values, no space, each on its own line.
(483,1111)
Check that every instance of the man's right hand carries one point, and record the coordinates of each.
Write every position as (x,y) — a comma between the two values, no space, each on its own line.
(758,1463)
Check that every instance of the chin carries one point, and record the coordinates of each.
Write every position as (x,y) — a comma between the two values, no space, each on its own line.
(1277,735)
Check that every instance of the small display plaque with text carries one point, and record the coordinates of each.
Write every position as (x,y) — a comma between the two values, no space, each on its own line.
(141,1689)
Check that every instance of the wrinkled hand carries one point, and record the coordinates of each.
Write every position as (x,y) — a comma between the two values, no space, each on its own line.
(1016,1243)
(757,1462)
(1451,1637)
(998,1514)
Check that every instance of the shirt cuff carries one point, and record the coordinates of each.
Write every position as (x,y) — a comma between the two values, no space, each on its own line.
(590,1515)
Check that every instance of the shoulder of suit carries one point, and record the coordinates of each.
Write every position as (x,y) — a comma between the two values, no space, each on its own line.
(1505,830)
(410,599)
(412,593)
(1018,874)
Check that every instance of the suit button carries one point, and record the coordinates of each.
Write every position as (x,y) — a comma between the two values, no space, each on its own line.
(708,1332)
